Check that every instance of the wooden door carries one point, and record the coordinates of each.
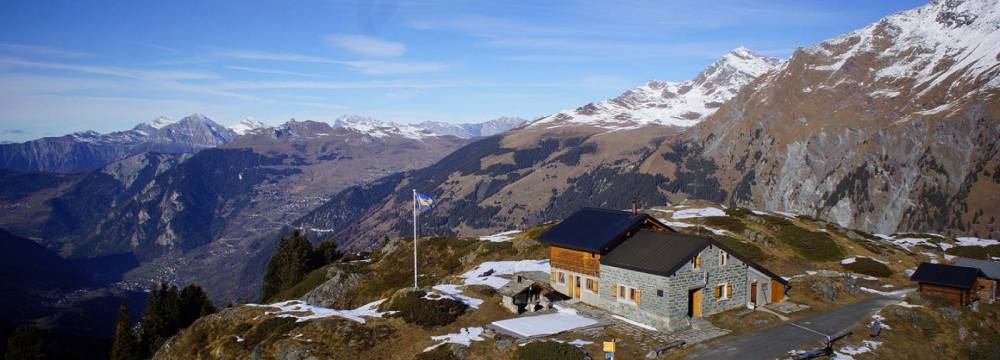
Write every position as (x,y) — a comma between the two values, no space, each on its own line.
(576,287)
(696,303)
(753,293)
(777,291)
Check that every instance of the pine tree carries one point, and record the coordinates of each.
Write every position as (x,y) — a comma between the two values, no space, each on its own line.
(162,318)
(125,345)
(194,303)
(292,260)
(326,252)
(26,343)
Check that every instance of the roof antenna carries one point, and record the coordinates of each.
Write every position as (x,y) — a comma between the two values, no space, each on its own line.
(635,206)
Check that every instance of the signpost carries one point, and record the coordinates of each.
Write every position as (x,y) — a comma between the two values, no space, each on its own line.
(609,350)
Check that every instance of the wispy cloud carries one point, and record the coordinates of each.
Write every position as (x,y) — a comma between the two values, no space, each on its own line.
(374,67)
(39,50)
(270,71)
(131,73)
(12,132)
(272,56)
(366,45)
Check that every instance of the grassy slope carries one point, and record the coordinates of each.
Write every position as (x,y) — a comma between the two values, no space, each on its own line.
(783,244)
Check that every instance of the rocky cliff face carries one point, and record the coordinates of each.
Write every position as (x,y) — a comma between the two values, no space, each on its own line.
(891,127)
(90,150)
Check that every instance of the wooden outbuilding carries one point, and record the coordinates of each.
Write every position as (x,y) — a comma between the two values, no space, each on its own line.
(986,286)
(956,283)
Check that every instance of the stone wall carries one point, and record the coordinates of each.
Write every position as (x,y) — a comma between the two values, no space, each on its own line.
(763,286)
(670,311)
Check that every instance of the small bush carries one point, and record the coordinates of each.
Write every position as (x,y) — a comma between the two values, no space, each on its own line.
(726,222)
(812,245)
(414,309)
(971,252)
(863,265)
(744,249)
(548,350)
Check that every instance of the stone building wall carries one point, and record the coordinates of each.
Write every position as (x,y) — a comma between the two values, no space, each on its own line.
(670,311)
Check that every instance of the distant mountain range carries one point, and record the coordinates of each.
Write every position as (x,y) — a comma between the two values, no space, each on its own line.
(90,150)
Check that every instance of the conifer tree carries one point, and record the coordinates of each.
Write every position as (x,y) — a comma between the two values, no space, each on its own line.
(194,303)
(292,260)
(125,345)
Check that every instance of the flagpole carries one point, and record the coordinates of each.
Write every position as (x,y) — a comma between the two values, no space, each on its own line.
(415,239)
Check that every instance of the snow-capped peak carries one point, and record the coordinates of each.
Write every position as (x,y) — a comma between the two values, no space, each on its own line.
(378,128)
(940,44)
(670,103)
(246,125)
(161,122)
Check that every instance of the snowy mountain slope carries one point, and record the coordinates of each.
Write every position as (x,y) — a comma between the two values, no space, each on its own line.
(670,103)
(246,125)
(472,130)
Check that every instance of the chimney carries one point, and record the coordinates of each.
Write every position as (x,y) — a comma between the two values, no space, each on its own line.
(519,278)
(635,206)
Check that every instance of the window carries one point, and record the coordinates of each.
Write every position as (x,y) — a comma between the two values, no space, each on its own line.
(723,258)
(723,291)
(635,295)
(629,294)
(697,262)
(562,278)
(552,277)
(592,285)
(614,291)
(659,293)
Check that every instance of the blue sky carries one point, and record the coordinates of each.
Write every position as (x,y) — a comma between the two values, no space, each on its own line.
(75,65)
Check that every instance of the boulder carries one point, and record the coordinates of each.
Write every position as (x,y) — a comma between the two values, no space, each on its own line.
(336,290)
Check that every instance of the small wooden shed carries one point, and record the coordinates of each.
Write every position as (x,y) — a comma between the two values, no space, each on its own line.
(986,287)
(957,283)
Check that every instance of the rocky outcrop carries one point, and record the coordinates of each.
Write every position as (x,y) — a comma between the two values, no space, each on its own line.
(336,291)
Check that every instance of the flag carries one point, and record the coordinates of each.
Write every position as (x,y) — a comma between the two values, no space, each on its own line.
(424,202)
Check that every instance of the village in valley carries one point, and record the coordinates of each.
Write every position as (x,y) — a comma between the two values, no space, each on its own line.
(694,280)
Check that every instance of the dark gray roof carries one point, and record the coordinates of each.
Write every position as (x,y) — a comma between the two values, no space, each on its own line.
(595,230)
(990,268)
(946,275)
(655,252)
(662,253)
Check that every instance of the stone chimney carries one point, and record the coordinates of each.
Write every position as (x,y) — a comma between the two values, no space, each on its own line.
(635,206)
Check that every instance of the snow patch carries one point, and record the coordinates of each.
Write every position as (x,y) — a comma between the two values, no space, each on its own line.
(633,322)
(698,212)
(303,311)
(488,272)
(500,237)
(464,336)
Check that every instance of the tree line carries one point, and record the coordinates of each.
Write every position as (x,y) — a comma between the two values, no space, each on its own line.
(168,311)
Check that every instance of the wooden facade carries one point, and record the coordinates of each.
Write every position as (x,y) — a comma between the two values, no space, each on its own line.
(957,296)
(986,289)
(577,261)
